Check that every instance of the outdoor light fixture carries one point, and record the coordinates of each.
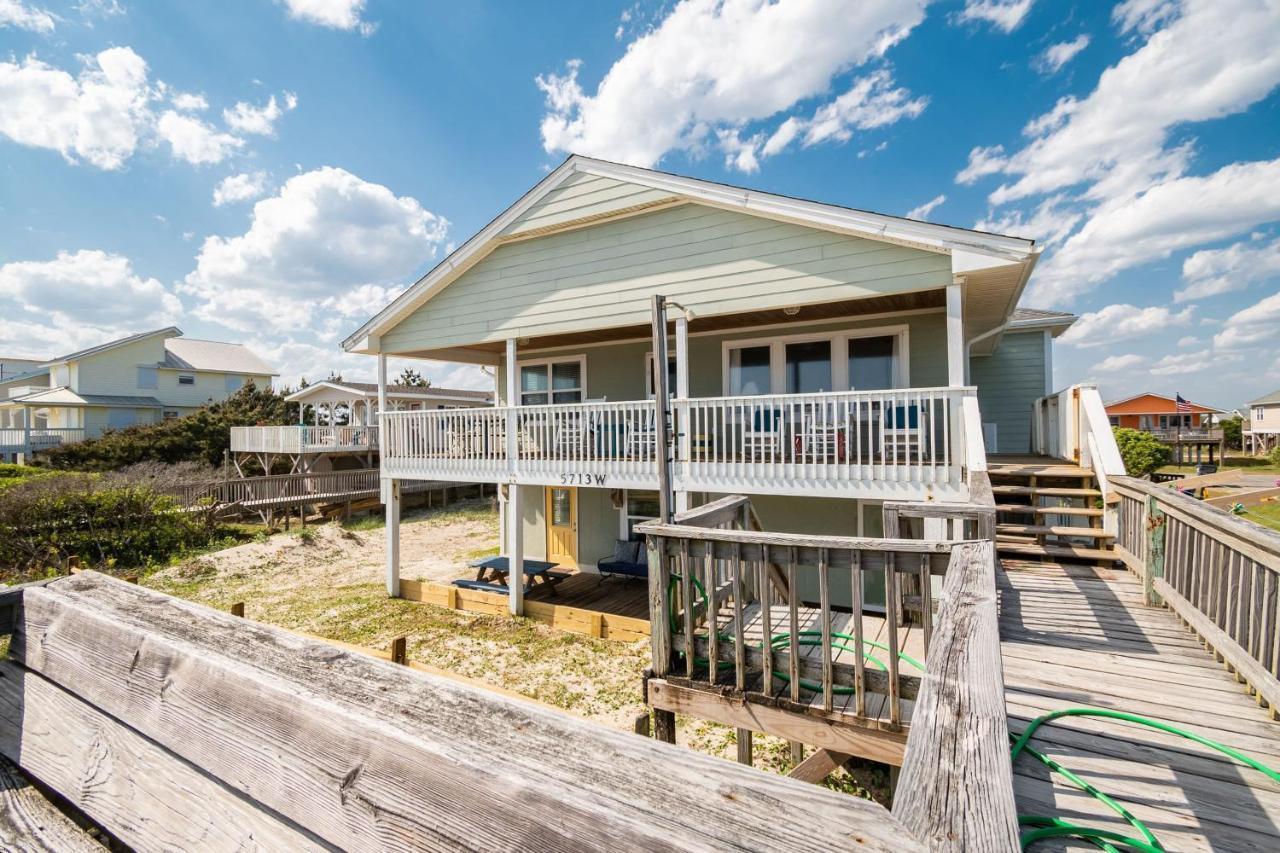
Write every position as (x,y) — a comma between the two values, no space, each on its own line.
(791,310)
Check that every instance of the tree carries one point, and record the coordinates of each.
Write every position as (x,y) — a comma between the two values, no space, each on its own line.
(412,378)
(1141,451)
(1231,432)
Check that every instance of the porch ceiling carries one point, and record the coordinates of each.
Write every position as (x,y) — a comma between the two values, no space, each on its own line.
(852,308)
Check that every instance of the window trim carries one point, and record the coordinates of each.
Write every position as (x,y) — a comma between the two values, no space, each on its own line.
(1259,413)
(648,373)
(839,355)
(521,364)
(191,376)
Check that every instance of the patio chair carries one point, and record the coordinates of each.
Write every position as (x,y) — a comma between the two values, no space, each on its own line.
(903,433)
(630,560)
(764,440)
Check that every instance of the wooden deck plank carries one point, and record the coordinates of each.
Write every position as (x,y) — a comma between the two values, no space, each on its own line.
(1073,641)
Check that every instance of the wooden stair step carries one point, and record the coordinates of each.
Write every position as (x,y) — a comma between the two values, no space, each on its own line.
(1039,471)
(1054,530)
(1080,553)
(1047,491)
(1028,509)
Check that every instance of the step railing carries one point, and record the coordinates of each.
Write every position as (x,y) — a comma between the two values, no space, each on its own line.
(1219,573)
(1073,425)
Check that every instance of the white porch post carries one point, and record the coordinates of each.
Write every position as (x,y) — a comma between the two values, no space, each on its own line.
(390,498)
(682,393)
(955,332)
(515,506)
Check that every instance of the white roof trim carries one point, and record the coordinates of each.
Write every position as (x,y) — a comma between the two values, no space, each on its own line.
(424,394)
(875,226)
(1210,409)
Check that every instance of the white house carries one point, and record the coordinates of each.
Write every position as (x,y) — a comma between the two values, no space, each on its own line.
(139,379)
(1261,432)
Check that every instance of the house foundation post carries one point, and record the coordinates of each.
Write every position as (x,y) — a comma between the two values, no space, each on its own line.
(515,507)
(955,332)
(682,393)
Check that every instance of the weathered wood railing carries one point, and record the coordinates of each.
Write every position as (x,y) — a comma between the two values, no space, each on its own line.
(288,489)
(177,727)
(1219,573)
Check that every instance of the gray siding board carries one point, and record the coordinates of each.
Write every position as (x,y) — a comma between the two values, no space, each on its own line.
(1009,381)
(582,196)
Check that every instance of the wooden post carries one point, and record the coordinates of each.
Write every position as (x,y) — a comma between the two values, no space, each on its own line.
(660,405)
(682,393)
(955,332)
(400,650)
(744,747)
(391,498)
(641,724)
(237,609)
(664,722)
(1157,523)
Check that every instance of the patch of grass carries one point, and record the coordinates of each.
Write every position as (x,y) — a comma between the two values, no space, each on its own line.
(1268,515)
(483,553)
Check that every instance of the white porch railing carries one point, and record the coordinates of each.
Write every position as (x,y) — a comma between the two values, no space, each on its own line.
(901,442)
(1073,425)
(302,439)
(18,440)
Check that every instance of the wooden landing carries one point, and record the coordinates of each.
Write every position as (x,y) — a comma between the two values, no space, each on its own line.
(1080,636)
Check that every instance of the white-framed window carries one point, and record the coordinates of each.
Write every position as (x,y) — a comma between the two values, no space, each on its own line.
(186,379)
(1114,420)
(638,506)
(850,360)
(1258,413)
(170,415)
(148,378)
(553,380)
(233,383)
(648,375)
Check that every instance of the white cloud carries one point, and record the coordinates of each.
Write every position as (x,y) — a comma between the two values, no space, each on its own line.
(1171,216)
(246,118)
(1006,15)
(327,248)
(97,116)
(14,13)
(1188,341)
(335,14)
(1143,16)
(1192,362)
(1210,272)
(1215,59)
(982,161)
(1122,322)
(188,102)
(195,141)
(923,211)
(1051,222)
(1051,60)
(241,187)
(1257,324)
(1117,363)
(78,299)
(713,66)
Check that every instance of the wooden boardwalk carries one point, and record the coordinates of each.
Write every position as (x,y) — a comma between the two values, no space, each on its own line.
(1081,636)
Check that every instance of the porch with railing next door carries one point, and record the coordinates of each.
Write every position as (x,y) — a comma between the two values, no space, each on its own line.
(19,440)
(303,439)
(900,443)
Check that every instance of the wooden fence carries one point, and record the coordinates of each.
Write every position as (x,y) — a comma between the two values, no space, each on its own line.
(177,727)
(1219,573)
(292,490)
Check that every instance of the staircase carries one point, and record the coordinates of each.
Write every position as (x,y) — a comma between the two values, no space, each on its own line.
(1049,511)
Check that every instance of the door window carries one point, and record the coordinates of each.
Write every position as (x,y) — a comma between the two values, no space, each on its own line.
(749,371)
(561,507)
(808,367)
(871,363)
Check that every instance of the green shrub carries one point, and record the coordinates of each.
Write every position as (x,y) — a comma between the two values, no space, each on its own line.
(1274,456)
(1142,452)
(121,520)
(1233,432)
(204,436)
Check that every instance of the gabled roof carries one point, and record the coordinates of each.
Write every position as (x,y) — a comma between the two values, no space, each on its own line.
(64,396)
(970,249)
(1267,399)
(1172,400)
(369,389)
(167,331)
(195,354)
(1056,322)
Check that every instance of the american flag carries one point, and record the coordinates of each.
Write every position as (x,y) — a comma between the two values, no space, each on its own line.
(1183,405)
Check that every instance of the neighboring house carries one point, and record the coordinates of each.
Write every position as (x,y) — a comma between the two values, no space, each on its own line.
(823,358)
(139,379)
(343,428)
(1159,415)
(13,367)
(1261,432)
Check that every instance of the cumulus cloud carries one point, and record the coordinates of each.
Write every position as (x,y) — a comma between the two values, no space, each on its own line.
(1210,272)
(1051,222)
(111,108)
(241,187)
(923,211)
(78,299)
(712,68)
(1117,363)
(14,13)
(1004,15)
(1192,362)
(334,14)
(246,118)
(1122,322)
(1257,324)
(1053,57)
(327,248)
(98,115)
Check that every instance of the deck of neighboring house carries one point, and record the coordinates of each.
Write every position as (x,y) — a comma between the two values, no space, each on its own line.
(1081,636)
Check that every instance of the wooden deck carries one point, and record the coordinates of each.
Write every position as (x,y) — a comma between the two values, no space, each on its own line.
(1081,636)
(585,591)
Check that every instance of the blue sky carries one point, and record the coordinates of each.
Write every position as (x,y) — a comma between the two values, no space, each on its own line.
(273,172)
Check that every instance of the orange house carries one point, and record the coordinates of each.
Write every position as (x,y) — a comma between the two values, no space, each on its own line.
(1157,413)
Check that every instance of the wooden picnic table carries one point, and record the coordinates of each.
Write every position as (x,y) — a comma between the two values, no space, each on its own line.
(535,571)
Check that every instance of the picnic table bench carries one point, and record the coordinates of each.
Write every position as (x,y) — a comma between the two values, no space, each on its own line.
(536,572)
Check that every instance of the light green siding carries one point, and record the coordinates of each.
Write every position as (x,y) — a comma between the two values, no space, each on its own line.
(115,371)
(1009,381)
(208,386)
(710,260)
(583,196)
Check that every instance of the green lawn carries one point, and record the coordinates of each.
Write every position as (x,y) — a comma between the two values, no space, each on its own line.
(1268,515)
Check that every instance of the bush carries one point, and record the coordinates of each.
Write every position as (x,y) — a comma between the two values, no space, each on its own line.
(1274,456)
(120,520)
(202,437)
(1233,433)
(1142,452)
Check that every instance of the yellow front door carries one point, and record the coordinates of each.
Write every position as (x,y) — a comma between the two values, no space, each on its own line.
(562,526)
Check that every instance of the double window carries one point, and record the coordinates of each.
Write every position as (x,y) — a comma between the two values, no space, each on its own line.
(857,361)
(1258,413)
(553,381)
